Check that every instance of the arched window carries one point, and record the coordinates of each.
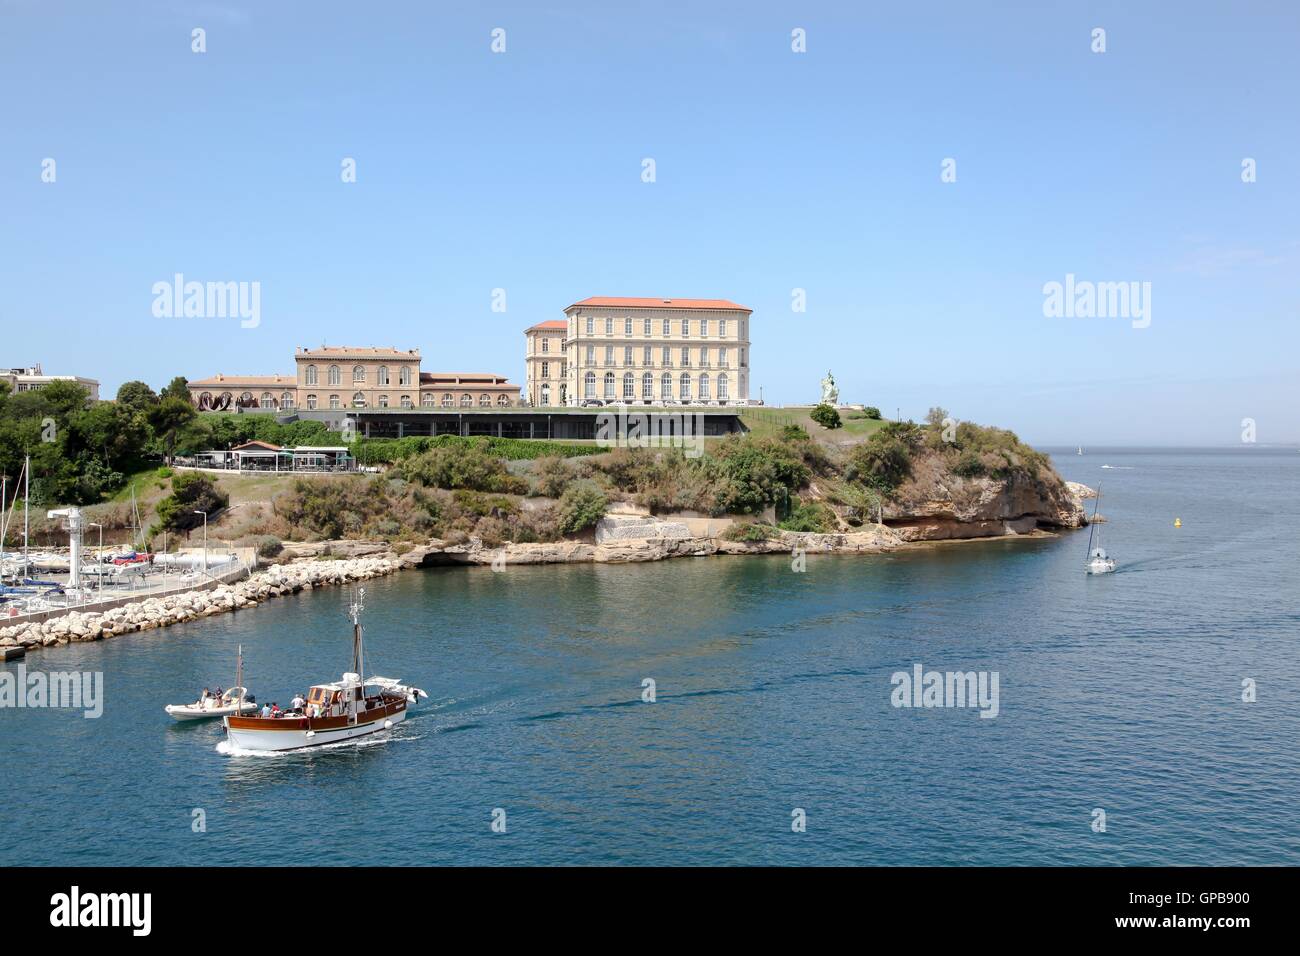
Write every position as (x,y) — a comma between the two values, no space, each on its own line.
(358,374)
(406,401)
(246,398)
(684,387)
(359,400)
(704,387)
(609,386)
(311,402)
(629,387)
(427,399)
(286,400)
(310,376)
(589,385)
(722,387)
(503,400)
(485,400)
(666,386)
(334,376)
(383,401)
(334,401)
(404,375)
(447,400)
(467,400)
(546,394)
(647,386)
(381,376)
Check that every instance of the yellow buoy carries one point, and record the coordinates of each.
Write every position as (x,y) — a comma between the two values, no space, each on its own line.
(1178,522)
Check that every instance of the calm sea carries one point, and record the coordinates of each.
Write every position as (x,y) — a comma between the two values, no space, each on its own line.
(1120,693)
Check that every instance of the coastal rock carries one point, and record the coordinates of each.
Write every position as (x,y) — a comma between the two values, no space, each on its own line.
(937,505)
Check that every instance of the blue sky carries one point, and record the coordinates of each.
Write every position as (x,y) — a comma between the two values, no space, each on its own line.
(775,171)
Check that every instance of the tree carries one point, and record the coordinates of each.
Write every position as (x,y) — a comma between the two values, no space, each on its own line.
(191,492)
(936,415)
(872,412)
(826,416)
(580,507)
(167,418)
(136,397)
(177,388)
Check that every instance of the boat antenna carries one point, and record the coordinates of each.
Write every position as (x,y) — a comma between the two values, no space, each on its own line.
(358,605)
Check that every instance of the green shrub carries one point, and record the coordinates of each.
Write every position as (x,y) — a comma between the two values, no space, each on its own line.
(471,467)
(580,507)
(191,492)
(794,433)
(872,412)
(550,477)
(884,461)
(387,451)
(826,416)
(749,532)
(752,473)
(809,516)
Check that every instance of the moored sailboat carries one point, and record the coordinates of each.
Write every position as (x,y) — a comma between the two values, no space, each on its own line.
(336,711)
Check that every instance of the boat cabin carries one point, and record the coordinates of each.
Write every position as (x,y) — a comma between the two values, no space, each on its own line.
(331,700)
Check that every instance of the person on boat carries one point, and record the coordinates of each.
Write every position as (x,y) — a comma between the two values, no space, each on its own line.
(266,710)
(218,693)
(297,703)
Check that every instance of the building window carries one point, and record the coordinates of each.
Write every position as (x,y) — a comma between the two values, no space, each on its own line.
(564,369)
(546,344)
(359,400)
(286,400)
(609,326)
(722,357)
(334,401)
(334,376)
(686,328)
(647,386)
(383,401)
(381,376)
(404,375)
(647,355)
(589,385)
(627,355)
(627,326)
(406,401)
(722,387)
(467,401)
(246,398)
(722,326)
(358,374)
(645,328)
(485,400)
(503,400)
(546,370)
(704,328)
(667,329)
(591,325)
(704,358)
(564,393)
(686,358)
(609,355)
(629,387)
(427,399)
(742,358)
(668,357)
(684,389)
(609,386)
(447,400)
(591,355)
(546,394)
(227,399)
(704,388)
(311,402)
(310,376)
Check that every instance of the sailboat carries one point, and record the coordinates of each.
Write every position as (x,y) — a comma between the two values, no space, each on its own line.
(1080,451)
(1099,562)
(237,700)
(340,710)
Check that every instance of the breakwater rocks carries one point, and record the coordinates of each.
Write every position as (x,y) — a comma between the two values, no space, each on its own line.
(160,611)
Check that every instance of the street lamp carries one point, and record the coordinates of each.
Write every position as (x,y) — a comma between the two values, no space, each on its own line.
(99,558)
(205,539)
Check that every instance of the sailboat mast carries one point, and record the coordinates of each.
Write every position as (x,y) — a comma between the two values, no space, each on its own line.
(239,678)
(1092,525)
(27,524)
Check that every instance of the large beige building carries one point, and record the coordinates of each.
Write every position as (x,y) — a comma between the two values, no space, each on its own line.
(341,377)
(640,351)
(31,378)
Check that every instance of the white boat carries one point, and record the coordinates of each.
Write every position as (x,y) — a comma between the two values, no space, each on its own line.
(233,702)
(340,710)
(1099,562)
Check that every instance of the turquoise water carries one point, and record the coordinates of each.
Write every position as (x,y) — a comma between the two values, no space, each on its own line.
(1121,692)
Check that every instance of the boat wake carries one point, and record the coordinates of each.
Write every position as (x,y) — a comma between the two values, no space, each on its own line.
(227,749)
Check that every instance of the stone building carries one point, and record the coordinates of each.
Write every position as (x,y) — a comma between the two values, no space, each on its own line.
(342,377)
(31,378)
(641,351)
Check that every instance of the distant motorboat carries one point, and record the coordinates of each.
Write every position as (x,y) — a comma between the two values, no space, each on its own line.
(231,703)
(1099,562)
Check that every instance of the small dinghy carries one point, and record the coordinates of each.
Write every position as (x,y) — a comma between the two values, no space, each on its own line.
(1099,562)
(232,703)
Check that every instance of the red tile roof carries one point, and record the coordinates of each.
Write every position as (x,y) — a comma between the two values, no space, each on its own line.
(622,302)
(549,324)
(234,381)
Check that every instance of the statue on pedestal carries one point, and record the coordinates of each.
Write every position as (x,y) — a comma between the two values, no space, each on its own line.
(830,392)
